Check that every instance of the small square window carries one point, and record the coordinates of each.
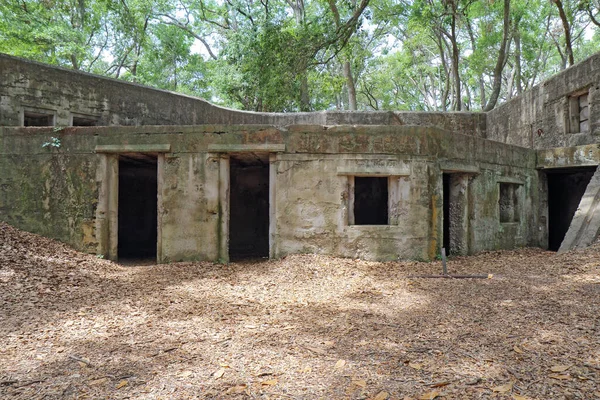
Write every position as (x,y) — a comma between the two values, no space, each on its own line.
(84,120)
(38,118)
(509,202)
(370,200)
(579,113)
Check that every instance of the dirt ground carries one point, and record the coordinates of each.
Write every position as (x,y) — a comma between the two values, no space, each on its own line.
(305,327)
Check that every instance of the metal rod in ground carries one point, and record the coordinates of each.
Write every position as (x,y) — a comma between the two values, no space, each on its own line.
(447,276)
(444,268)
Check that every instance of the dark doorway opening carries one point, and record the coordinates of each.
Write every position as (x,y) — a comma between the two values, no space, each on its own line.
(566,187)
(446,212)
(249,206)
(138,210)
(370,200)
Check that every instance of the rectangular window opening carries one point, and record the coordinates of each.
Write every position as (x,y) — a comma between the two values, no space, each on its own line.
(579,113)
(509,202)
(371,200)
(32,118)
(84,121)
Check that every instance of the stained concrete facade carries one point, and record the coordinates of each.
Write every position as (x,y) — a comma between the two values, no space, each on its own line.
(465,181)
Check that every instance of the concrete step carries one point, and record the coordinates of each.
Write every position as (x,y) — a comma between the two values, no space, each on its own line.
(585,225)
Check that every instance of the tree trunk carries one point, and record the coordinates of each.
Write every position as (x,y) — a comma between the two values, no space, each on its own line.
(501,61)
(567,29)
(455,69)
(518,82)
(347,68)
(350,85)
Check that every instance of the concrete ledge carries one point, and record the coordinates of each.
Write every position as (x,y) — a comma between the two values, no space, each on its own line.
(373,171)
(563,157)
(133,148)
(508,179)
(450,166)
(237,148)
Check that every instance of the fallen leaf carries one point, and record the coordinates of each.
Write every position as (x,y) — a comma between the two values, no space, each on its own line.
(121,384)
(238,389)
(559,376)
(316,350)
(415,365)
(270,382)
(517,350)
(560,368)
(219,373)
(186,374)
(503,388)
(429,395)
(518,397)
(359,382)
(381,396)
(340,364)
(98,381)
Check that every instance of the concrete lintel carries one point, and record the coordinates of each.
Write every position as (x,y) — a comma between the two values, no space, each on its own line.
(565,157)
(373,171)
(250,148)
(133,148)
(509,179)
(450,166)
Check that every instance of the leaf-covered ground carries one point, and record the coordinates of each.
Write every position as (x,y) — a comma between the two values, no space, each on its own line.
(305,327)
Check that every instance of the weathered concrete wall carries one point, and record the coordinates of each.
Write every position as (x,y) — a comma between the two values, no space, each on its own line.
(66,93)
(540,117)
(55,191)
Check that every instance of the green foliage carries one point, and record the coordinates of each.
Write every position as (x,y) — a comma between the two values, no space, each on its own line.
(53,142)
(281,55)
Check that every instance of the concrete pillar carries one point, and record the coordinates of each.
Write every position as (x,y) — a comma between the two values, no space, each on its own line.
(224,208)
(272,205)
(107,214)
(459,214)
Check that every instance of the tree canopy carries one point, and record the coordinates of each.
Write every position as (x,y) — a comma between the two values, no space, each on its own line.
(304,55)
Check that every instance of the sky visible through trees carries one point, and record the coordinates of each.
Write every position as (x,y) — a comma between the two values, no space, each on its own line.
(310,55)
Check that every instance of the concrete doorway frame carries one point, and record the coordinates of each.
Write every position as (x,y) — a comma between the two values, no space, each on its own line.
(457,224)
(224,152)
(107,212)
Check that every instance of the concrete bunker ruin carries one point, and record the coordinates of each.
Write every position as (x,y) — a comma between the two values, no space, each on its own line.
(128,171)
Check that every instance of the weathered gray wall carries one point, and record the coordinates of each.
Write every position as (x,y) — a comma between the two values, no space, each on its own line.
(538,118)
(115,102)
(55,191)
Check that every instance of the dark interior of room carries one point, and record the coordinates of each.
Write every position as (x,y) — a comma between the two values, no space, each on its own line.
(370,200)
(446,212)
(249,206)
(37,119)
(566,187)
(137,207)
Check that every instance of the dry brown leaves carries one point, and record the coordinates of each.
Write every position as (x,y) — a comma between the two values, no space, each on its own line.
(305,327)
